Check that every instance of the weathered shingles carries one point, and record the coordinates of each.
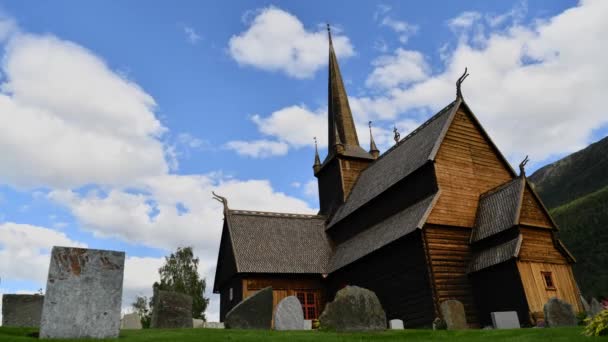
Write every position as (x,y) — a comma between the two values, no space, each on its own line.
(495,255)
(498,210)
(381,234)
(395,164)
(279,243)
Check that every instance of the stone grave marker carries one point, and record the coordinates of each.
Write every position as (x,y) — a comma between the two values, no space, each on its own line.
(395,324)
(559,313)
(83,294)
(288,314)
(213,325)
(254,312)
(453,314)
(307,324)
(131,321)
(505,320)
(595,308)
(21,310)
(354,309)
(171,310)
(586,306)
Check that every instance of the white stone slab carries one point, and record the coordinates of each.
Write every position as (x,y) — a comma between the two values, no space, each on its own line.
(505,320)
(307,324)
(395,324)
(130,321)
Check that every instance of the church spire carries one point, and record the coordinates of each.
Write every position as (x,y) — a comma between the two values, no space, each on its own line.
(373,149)
(317,165)
(340,118)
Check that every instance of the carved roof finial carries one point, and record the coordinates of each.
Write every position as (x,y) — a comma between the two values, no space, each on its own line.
(459,83)
(317,163)
(522,167)
(222,200)
(373,149)
(397,135)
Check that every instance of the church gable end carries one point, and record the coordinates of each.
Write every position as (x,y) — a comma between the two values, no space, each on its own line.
(532,211)
(467,165)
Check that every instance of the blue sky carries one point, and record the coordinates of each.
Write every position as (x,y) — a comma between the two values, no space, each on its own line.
(119,118)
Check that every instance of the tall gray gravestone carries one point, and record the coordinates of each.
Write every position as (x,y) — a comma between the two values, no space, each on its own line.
(171,310)
(254,312)
(21,310)
(559,313)
(289,315)
(353,309)
(83,294)
(453,314)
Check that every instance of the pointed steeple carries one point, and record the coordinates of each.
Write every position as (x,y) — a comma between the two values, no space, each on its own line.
(340,118)
(317,165)
(373,149)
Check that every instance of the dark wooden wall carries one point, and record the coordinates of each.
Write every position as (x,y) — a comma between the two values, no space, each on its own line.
(237,296)
(499,288)
(331,194)
(398,275)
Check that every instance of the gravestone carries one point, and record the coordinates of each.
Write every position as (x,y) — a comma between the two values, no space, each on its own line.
(289,315)
(453,314)
(307,324)
(254,312)
(171,310)
(586,306)
(559,313)
(395,324)
(21,310)
(353,309)
(505,320)
(198,323)
(131,321)
(213,325)
(83,294)
(595,308)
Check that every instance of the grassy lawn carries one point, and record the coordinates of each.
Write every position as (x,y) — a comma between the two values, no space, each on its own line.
(546,335)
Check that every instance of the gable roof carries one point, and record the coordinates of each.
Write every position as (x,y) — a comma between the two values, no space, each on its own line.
(495,255)
(498,209)
(265,242)
(383,233)
(398,162)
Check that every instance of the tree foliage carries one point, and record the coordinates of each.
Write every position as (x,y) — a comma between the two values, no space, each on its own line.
(143,311)
(180,274)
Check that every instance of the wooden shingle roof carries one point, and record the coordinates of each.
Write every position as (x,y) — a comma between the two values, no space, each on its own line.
(266,242)
(411,153)
(495,255)
(498,209)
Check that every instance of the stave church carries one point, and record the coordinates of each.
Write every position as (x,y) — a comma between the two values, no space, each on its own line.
(440,215)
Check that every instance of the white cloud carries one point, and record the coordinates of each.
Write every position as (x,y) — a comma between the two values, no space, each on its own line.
(258,148)
(66,119)
(277,41)
(191,35)
(404,29)
(465,20)
(402,68)
(296,125)
(531,89)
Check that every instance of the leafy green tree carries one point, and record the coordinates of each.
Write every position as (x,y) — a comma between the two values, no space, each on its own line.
(180,274)
(143,311)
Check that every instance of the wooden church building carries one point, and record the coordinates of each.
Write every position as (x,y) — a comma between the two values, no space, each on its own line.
(440,215)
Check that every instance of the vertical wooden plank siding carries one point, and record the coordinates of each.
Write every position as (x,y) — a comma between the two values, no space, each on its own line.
(534,285)
(466,166)
(532,213)
(449,254)
(351,168)
(537,246)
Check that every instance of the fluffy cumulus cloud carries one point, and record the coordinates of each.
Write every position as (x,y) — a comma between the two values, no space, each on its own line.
(258,148)
(277,40)
(402,68)
(537,88)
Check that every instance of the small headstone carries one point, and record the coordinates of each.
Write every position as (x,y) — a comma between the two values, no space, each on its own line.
(308,324)
(505,320)
(21,310)
(586,306)
(254,312)
(213,325)
(453,314)
(289,315)
(353,309)
(595,308)
(395,324)
(559,313)
(130,321)
(171,310)
(83,294)
(198,323)
(439,324)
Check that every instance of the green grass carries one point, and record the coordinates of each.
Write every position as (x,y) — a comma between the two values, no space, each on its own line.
(204,335)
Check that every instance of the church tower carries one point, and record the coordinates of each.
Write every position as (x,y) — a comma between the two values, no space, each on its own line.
(345,158)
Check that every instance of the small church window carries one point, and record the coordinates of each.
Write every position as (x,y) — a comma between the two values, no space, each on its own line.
(549,284)
(308,299)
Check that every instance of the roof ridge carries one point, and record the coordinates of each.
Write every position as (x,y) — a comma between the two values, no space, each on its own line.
(418,129)
(498,188)
(271,213)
